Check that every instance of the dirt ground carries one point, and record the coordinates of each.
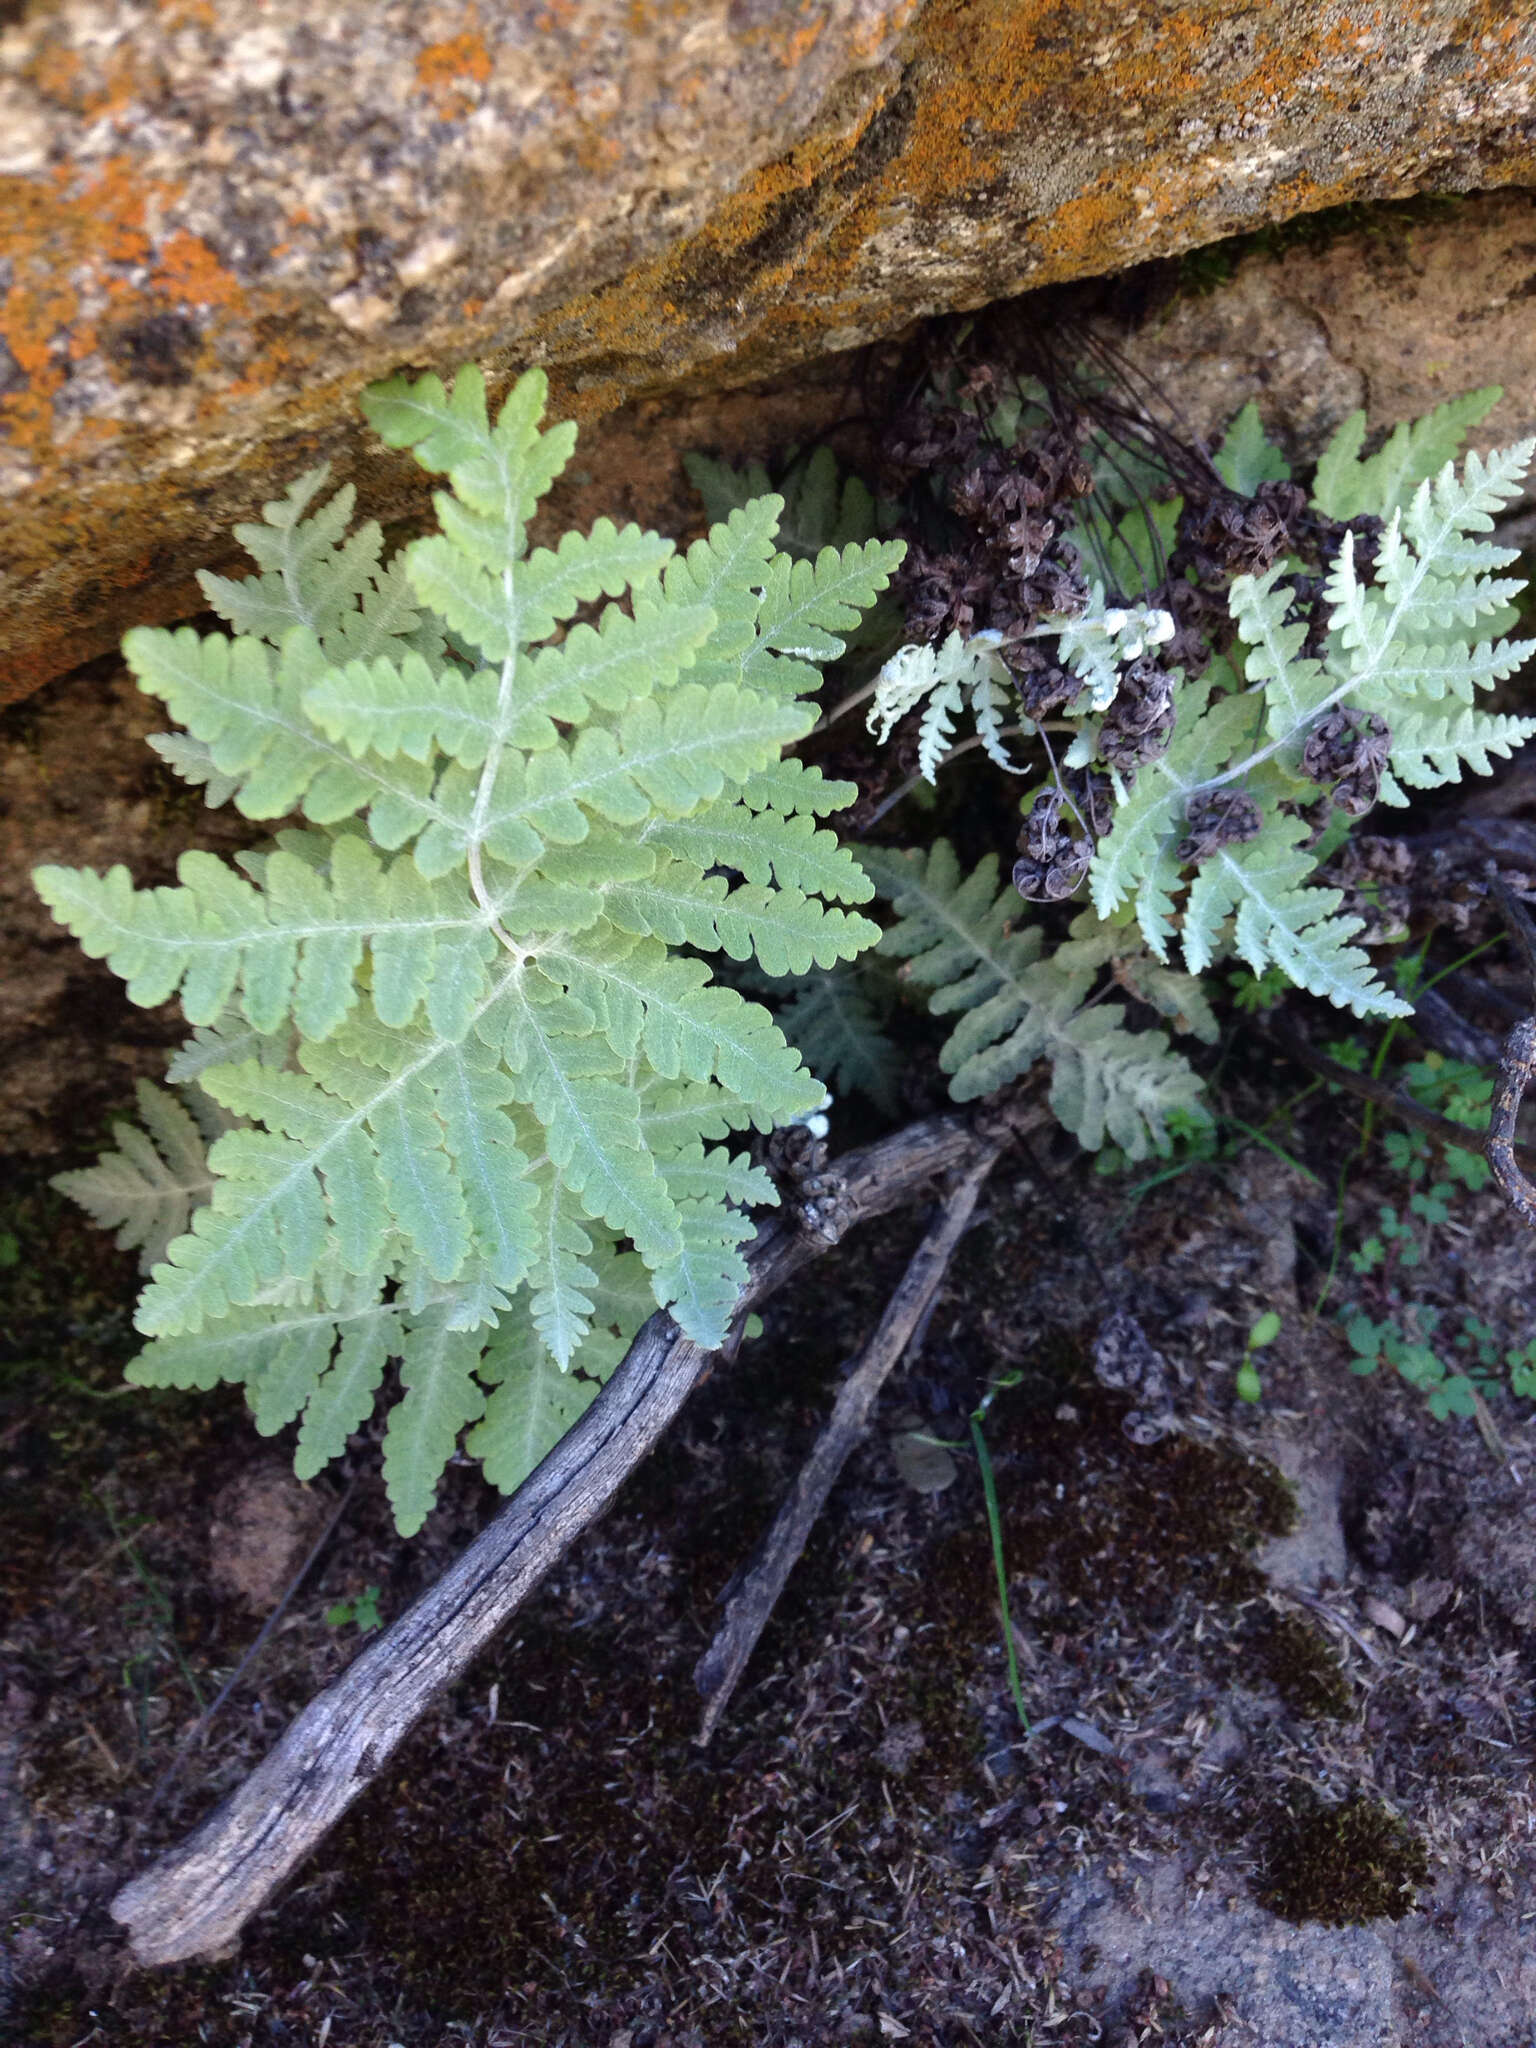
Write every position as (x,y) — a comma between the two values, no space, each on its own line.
(1280,1662)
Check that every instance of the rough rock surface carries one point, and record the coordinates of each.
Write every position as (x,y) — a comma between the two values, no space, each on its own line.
(218,226)
(1457,1961)
(1296,1987)
(1408,307)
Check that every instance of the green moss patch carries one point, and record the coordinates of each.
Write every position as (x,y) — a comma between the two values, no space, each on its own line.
(1343,1865)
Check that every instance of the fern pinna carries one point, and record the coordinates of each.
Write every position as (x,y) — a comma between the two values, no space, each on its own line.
(481,1100)
(1018,1002)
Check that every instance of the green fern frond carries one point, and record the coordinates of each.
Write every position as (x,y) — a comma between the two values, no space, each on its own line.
(532,1404)
(1345,487)
(314,574)
(822,507)
(1398,649)
(962,675)
(1019,1004)
(836,1024)
(1092,945)
(449,1012)
(1431,748)
(1247,457)
(1278,919)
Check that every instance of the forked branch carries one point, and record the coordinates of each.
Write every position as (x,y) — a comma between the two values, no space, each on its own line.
(719,1670)
(1517,1066)
(198,1897)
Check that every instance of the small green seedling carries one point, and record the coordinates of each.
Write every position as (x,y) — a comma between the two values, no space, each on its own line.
(1265,1331)
(1254,994)
(995,1529)
(362,1612)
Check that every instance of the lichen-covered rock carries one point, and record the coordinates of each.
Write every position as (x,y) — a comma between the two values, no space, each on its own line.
(218,225)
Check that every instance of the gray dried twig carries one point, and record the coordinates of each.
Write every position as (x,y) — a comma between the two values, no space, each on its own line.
(1517,1065)
(719,1670)
(198,1897)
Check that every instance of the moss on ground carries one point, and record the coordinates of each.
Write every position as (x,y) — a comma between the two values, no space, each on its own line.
(1344,1864)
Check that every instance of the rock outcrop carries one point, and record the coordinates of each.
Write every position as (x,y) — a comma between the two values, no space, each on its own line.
(215,227)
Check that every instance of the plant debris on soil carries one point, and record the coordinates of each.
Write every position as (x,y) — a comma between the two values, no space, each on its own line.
(872,1848)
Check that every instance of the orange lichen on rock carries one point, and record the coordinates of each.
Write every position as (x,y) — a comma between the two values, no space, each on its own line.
(81,247)
(443,68)
(1156,133)
(651,194)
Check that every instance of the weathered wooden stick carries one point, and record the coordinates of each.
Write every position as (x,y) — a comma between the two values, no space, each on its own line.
(719,1670)
(196,1899)
(1443,1129)
(1517,1066)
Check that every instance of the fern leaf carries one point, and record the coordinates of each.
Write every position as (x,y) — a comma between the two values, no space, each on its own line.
(808,608)
(1430,672)
(469,1069)
(835,1025)
(499,473)
(1102,637)
(247,709)
(437,1366)
(945,680)
(192,760)
(532,1406)
(1281,921)
(726,571)
(148,1188)
(1430,749)
(1345,487)
(1107,1082)
(787,932)
(724,489)
(390,708)
(226,1042)
(266,1220)
(291,948)
(592,1128)
(694,1174)
(821,507)
(792,788)
(1018,1006)
(311,572)
(1247,457)
(561,1283)
(1293,685)
(288,1360)
(344,1396)
(471,1096)
(692,1031)
(673,1114)
(1137,861)
(703,1283)
(762,847)
(240,1352)
(1093,944)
